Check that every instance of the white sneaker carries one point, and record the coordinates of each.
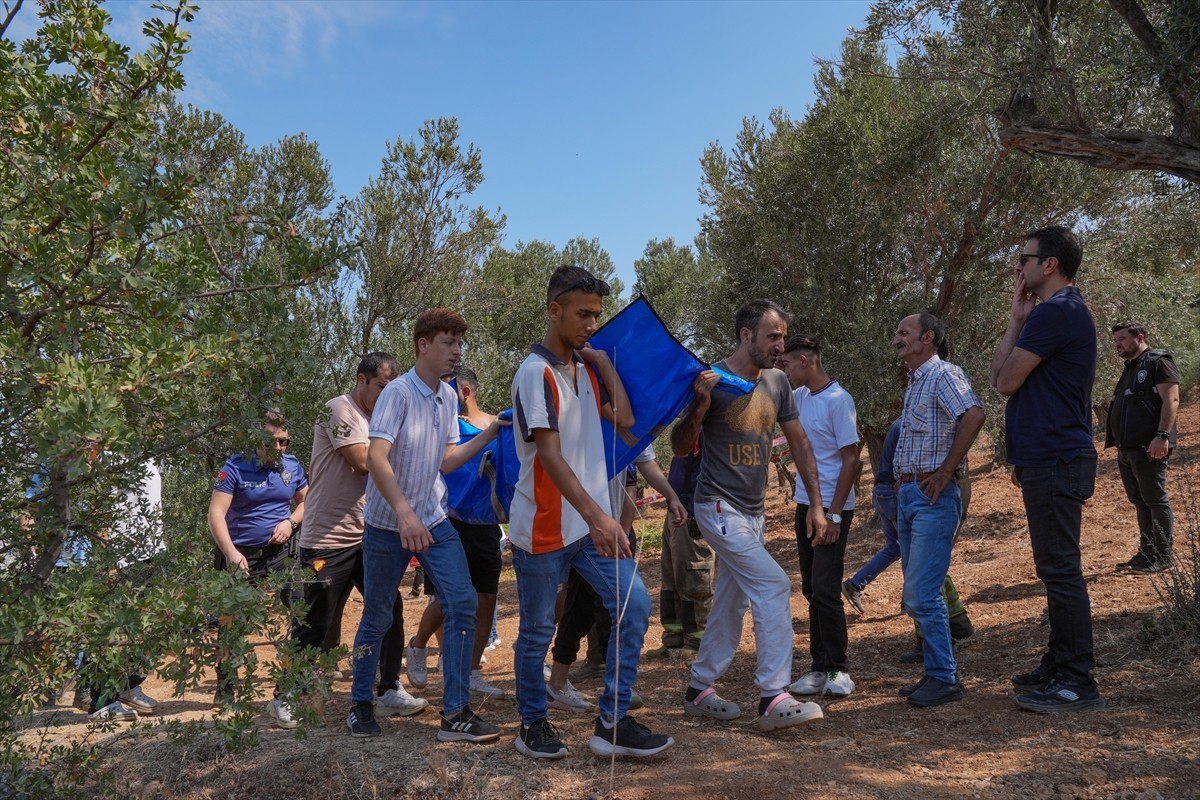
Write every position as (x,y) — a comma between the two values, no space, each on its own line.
(838,683)
(567,698)
(281,715)
(139,701)
(809,683)
(400,703)
(415,666)
(113,712)
(493,643)
(479,685)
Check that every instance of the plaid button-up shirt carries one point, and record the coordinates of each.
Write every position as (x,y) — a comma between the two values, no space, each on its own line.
(938,394)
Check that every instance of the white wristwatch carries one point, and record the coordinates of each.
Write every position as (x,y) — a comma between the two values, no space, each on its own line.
(836,519)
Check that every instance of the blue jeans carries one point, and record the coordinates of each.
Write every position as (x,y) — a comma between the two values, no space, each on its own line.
(884,500)
(1054,498)
(926,538)
(538,578)
(384,563)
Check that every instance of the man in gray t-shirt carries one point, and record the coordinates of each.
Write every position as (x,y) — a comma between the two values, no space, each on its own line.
(738,431)
(737,405)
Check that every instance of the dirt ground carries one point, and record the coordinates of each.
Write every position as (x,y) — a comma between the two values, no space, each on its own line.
(1145,745)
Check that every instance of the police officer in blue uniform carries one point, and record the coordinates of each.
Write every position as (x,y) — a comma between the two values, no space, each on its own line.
(256,508)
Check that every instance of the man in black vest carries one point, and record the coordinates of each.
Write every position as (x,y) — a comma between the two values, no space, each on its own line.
(1141,423)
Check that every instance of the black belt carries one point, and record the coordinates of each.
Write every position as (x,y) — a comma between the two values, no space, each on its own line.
(917,477)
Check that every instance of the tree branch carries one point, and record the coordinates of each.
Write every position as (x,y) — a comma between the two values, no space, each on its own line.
(1173,77)
(245,289)
(1119,150)
(12,12)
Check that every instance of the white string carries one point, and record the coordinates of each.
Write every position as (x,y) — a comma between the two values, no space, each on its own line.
(621,607)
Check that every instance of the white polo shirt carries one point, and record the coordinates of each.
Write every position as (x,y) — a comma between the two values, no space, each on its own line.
(545,395)
(419,423)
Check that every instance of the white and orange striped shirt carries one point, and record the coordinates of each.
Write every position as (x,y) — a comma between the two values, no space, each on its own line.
(550,394)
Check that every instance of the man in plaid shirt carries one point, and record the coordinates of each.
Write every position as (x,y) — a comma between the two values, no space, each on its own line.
(941,418)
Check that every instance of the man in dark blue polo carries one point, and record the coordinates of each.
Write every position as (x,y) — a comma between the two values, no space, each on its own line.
(1046,364)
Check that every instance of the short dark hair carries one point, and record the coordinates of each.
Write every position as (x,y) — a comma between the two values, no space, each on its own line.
(372,363)
(1134,328)
(570,278)
(464,374)
(1060,242)
(438,320)
(749,315)
(931,323)
(802,341)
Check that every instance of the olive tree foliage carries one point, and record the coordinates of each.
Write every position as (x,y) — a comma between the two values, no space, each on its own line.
(1114,85)
(507,307)
(147,266)
(890,196)
(421,245)
(680,282)
(1144,265)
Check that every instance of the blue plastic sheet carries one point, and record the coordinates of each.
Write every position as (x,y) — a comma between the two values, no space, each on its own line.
(480,492)
(656,371)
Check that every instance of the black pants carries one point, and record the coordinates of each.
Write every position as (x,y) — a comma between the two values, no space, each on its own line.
(1054,498)
(337,571)
(821,569)
(1145,480)
(106,689)
(578,616)
(260,562)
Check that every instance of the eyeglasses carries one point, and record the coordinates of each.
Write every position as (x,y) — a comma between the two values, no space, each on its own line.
(587,285)
(1021,259)
(284,442)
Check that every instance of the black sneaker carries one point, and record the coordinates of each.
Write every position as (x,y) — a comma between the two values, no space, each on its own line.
(961,628)
(362,722)
(1036,680)
(628,738)
(1061,698)
(853,595)
(908,690)
(465,726)
(914,655)
(1137,563)
(934,692)
(540,740)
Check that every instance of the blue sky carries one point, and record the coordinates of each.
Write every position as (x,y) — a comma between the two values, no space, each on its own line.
(591,116)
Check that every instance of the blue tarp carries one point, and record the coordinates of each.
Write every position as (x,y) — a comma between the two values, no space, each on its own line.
(656,371)
(481,491)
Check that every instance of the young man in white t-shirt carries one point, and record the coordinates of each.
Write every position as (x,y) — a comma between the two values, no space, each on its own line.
(828,416)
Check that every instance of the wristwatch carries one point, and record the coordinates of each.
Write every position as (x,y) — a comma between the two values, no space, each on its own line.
(1164,435)
(836,519)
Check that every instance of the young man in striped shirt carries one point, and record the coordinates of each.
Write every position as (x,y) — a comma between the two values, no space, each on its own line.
(413,439)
